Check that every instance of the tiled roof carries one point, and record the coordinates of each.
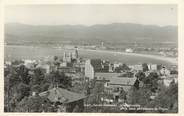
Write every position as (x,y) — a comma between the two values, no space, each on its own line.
(114,79)
(62,95)
(107,75)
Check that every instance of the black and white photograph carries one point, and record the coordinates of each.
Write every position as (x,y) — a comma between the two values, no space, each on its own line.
(91,58)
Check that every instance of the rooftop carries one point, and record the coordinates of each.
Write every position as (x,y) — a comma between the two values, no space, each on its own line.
(115,79)
(62,95)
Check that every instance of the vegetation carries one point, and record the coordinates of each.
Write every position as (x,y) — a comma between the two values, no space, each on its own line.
(21,82)
(166,99)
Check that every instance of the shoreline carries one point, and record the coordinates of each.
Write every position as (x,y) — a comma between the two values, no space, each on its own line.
(162,58)
(168,59)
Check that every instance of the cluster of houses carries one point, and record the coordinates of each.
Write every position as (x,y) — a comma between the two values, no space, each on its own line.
(117,76)
(124,79)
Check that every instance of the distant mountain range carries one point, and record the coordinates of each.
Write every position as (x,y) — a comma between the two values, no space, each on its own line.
(114,33)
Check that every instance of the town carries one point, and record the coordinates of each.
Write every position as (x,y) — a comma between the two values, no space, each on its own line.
(75,84)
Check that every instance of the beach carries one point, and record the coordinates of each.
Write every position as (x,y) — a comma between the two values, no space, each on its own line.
(41,52)
(168,59)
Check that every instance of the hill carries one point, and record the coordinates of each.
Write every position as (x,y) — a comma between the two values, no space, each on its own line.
(113,33)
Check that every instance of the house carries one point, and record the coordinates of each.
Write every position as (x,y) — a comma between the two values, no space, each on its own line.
(65,100)
(113,83)
(115,80)
(125,83)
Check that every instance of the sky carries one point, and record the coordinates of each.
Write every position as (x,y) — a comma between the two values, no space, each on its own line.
(76,14)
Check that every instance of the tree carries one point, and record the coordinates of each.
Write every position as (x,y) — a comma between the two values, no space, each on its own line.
(33,104)
(45,87)
(58,79)
(23,74)
(36,88)
(123,67)
(145,67)
(167,98)
(17,62)
(141,96)
(55,58)
(136,84)
(22,105)
(140,75)
(22,91)
(152,80)
(15,86)
(98,90)
(38,77)
(123,94)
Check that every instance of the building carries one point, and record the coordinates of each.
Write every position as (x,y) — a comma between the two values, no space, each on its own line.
(8,63)
(45,67)
(70,56)
(65,100)
(63,64)
(137,67)
(80,65)
(105,66)
(115,84)
(67,69)
(168,80)
(117,65)
(129,50)
(30,64)
(164,71)
(152,67)
(89,70)
(67,57)
(75,54)
(111,67)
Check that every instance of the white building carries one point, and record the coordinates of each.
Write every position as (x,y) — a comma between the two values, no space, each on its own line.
(111,67)
(137,67)
(152,66)
(164,71)
(67,57)
(63,64)
(129,50)
(117,65)
(167,81)
(89,70)
(46,67)
(29,63)
(8,63)
(75,54)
